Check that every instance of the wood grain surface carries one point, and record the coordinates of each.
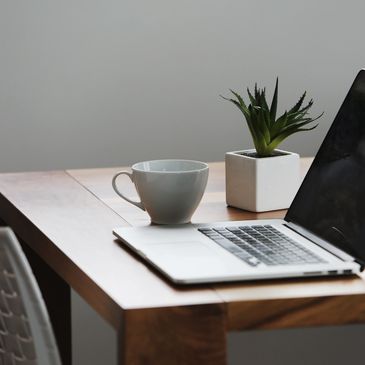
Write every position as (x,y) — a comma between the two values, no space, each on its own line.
(189,335)
(72,231)
(67,217)
(240,297)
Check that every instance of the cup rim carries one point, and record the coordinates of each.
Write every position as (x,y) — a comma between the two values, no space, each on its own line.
(203,168)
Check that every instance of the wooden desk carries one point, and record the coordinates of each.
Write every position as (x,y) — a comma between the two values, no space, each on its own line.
(65,221)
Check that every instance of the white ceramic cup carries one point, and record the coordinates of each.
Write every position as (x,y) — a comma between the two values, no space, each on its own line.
(170,190)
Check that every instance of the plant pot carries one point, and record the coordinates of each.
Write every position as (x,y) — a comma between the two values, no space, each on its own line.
(261,184)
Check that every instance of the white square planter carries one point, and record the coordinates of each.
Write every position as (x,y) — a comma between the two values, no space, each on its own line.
(261,184)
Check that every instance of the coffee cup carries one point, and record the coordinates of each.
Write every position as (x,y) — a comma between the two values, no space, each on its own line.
(169,190)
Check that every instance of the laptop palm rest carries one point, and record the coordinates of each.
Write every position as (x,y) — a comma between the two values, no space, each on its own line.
(191,259)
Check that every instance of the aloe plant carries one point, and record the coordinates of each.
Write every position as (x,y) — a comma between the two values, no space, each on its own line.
(266,130)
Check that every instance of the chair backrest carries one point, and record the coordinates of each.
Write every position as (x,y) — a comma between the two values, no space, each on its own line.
(26,336)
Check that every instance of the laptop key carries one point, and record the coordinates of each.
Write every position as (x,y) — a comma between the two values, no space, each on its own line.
(253,261)
(203,230)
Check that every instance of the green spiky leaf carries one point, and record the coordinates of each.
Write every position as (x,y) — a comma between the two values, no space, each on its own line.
(274,103)
(268,132)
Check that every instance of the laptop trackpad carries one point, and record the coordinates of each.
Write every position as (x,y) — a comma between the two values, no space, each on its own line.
(192,259)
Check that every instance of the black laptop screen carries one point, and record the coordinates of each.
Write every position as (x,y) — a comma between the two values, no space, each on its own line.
(331,201)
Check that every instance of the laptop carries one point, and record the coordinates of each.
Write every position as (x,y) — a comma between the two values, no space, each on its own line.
(323,232)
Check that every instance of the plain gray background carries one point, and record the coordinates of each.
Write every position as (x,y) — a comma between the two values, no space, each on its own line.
(88,83)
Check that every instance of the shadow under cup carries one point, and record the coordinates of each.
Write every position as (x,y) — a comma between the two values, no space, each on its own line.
(170,190)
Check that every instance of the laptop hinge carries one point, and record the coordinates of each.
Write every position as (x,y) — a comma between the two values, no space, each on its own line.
(344,256)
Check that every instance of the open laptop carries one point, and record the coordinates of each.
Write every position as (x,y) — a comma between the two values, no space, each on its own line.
(323,232)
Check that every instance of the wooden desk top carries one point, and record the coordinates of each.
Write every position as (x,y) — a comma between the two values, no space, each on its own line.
(67,217)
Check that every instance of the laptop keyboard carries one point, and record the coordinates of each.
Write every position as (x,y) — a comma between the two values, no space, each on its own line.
(261,244)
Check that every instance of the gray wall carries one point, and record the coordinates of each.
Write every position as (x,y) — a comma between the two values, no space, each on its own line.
(96,83)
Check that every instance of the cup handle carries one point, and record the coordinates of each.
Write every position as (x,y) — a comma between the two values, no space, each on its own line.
(137,204)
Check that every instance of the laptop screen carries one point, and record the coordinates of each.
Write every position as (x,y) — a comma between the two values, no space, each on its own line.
(331,201)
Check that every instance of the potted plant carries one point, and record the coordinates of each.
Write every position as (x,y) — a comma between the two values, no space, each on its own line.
(266,178)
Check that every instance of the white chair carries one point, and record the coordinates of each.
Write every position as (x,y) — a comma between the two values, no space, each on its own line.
(26,336)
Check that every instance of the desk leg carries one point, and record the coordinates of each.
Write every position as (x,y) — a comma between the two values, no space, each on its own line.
(57,296)
(193,335)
